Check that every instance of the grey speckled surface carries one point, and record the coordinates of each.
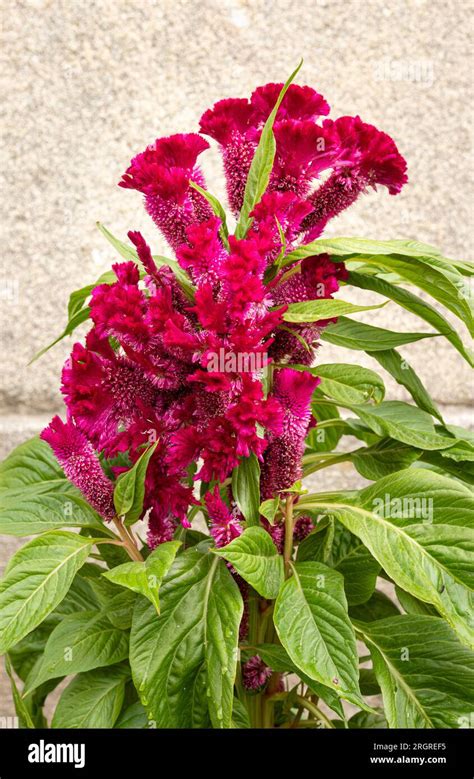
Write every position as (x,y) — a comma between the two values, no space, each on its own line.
(87,83)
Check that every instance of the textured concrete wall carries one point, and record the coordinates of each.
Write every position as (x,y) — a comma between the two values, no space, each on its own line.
(88,83)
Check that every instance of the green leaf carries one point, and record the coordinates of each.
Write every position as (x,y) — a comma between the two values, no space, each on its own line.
(246,488)
(378,606)
(262,164)
(28,513)
(31,463)
(145,578)
(218,211)
(357,335)
(279,661)
(348,247)
(316,310)
(346,383)
(425,268)
(341,550)
(412,605)
(255,557)
(269,509)
(312,624)
(80,642)
(384,457)
(426,675)
(404,374)
(77,319)
(416,495)
(92,700)
(445,284)
(38,577)
(197,629)
(431,561)
(240,717)
(405,423)
(416,305)
(21,708)
(133,717)
(439,464)
(367,720)
(129,491)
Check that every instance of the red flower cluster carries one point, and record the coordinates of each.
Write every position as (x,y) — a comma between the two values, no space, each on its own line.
(182,364)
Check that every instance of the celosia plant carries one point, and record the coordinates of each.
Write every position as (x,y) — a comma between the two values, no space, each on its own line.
(208,586)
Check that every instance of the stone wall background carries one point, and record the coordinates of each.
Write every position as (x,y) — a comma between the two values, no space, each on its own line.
(88,83)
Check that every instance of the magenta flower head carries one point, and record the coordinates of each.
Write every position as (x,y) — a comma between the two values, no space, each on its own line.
(162,173)
(282,459)
(255,674)
(81,465)
(182,364)
(236,124)
(363,157)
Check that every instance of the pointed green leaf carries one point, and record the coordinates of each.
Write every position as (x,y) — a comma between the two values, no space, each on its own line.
(346,383)
(246,488)
(255,557)
(357,335)
(315,310)
(38,577)
(431,561)
(405,423)
(426,675)
(129,491)
(415,305)
(92,700)
(312,624)
(341,550)
(80,642)
(201,608)
(145,578)
(404,374)
(385,457)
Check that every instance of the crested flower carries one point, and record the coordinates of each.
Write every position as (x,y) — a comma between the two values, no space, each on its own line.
(365,157)
(162,173)
(179,358)
(80,463)
(236,124)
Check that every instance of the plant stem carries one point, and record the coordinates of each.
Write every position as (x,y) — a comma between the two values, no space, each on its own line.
(288,547)
(317,713)
(254,702)
(331,459)
(127,541)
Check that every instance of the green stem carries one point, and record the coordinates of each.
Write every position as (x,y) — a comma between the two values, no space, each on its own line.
(254,702)
(288,547)
(331,459)
(317,713)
